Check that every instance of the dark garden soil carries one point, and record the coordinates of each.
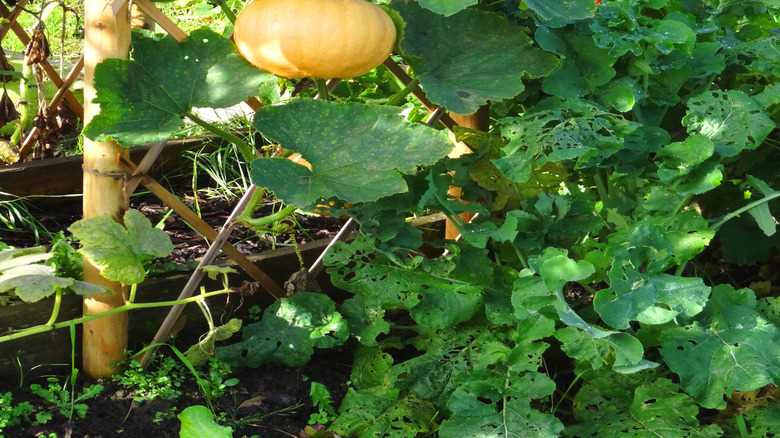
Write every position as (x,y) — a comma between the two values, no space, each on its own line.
(269,402)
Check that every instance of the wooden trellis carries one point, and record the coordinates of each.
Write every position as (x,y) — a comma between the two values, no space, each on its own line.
(63,86)
(137,174)
(133,175)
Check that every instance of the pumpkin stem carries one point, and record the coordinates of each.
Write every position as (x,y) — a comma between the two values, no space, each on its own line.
(322,88)
(227,11)
(400,97)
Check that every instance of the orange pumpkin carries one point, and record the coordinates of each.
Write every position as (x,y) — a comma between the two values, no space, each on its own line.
(314,38)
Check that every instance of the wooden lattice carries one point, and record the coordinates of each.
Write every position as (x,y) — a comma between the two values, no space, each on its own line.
(137,173)
(63,86)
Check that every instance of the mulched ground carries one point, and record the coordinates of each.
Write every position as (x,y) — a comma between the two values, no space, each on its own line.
(189,245)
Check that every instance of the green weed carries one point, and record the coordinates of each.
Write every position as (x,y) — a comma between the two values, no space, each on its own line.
(13,415)
(63,401)
(162,381)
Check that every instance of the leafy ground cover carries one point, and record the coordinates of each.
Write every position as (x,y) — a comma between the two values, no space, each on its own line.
(618,277)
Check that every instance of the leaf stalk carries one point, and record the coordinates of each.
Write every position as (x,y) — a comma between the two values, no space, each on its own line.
(716,226)
(49,326)
(400,97)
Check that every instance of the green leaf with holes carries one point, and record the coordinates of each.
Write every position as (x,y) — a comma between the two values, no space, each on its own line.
(679,158)
(568,132)
(468,58)
(733,120)
(430,289)
(457,354)
(144,99)
(730,346)
(357,152)
(649,299)
(501,407)
(379,411)
(763,422)
(613,406)
(288,333)
(619,350)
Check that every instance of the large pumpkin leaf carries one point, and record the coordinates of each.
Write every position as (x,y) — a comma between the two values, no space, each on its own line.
(33,287)
(562,12)
(730,346)
(144,99)
(469,58)
(356,151)
(607,407)
(121,252)
(446,7)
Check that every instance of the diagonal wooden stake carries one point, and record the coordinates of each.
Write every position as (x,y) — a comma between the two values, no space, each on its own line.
(205,230)
(56,100)
(417,92)
(165,328)
(50,71)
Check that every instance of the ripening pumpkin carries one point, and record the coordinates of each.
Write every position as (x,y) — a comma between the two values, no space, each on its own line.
(314,38)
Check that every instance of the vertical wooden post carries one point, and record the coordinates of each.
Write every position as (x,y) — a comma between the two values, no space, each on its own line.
(479,120)
(107,35)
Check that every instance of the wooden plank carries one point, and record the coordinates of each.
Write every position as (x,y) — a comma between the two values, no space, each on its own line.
(62,176)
